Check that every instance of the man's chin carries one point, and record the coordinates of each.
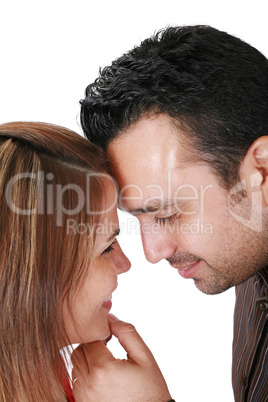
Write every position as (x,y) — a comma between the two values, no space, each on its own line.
(211,288)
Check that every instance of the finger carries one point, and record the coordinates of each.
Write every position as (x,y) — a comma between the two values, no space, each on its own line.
(131,341)
(108,339)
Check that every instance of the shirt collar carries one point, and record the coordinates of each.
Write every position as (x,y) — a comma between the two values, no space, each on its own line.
(264,273)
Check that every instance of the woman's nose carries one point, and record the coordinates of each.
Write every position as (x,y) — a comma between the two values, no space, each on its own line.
(121,262)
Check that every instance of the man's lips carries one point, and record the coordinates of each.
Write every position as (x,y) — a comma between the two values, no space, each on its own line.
(187,271)
(183,268)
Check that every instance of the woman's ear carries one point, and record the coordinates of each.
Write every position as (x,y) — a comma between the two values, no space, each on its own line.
(256,161)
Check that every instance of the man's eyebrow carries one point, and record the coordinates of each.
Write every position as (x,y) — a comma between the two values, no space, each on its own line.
(114,234)
(155,205)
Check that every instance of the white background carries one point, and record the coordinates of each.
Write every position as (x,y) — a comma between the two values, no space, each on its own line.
(50,51)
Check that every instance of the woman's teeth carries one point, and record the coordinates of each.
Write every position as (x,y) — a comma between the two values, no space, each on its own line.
(108,299)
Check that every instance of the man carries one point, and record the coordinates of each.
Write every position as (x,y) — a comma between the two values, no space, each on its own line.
(184,121)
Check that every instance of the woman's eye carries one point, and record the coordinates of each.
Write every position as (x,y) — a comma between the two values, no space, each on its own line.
(109,248)
(163,221)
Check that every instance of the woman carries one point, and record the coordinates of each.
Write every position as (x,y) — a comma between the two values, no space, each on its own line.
(59,255)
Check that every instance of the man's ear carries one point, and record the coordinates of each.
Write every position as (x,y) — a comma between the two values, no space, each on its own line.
(255,165)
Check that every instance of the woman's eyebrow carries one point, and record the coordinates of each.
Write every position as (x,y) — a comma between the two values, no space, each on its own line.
(114,234)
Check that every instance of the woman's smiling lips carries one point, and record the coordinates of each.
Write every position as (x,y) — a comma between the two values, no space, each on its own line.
(189,270)
(108,302)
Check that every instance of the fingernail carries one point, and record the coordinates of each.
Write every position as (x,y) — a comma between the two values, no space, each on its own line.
(113,318)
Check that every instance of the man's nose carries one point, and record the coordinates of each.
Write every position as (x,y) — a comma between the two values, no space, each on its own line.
(157,247)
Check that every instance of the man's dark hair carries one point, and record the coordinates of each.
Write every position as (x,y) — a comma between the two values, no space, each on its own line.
(213,84)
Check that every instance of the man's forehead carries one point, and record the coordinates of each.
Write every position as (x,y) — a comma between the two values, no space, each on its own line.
(150,144)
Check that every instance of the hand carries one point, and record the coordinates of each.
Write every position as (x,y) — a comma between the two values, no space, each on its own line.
(103,378)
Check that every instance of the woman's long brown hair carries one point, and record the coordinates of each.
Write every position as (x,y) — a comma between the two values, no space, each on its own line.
(41,260)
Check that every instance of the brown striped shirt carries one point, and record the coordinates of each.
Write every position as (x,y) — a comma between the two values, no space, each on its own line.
(250,343)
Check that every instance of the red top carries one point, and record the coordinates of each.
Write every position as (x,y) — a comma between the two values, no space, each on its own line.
(68,391)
